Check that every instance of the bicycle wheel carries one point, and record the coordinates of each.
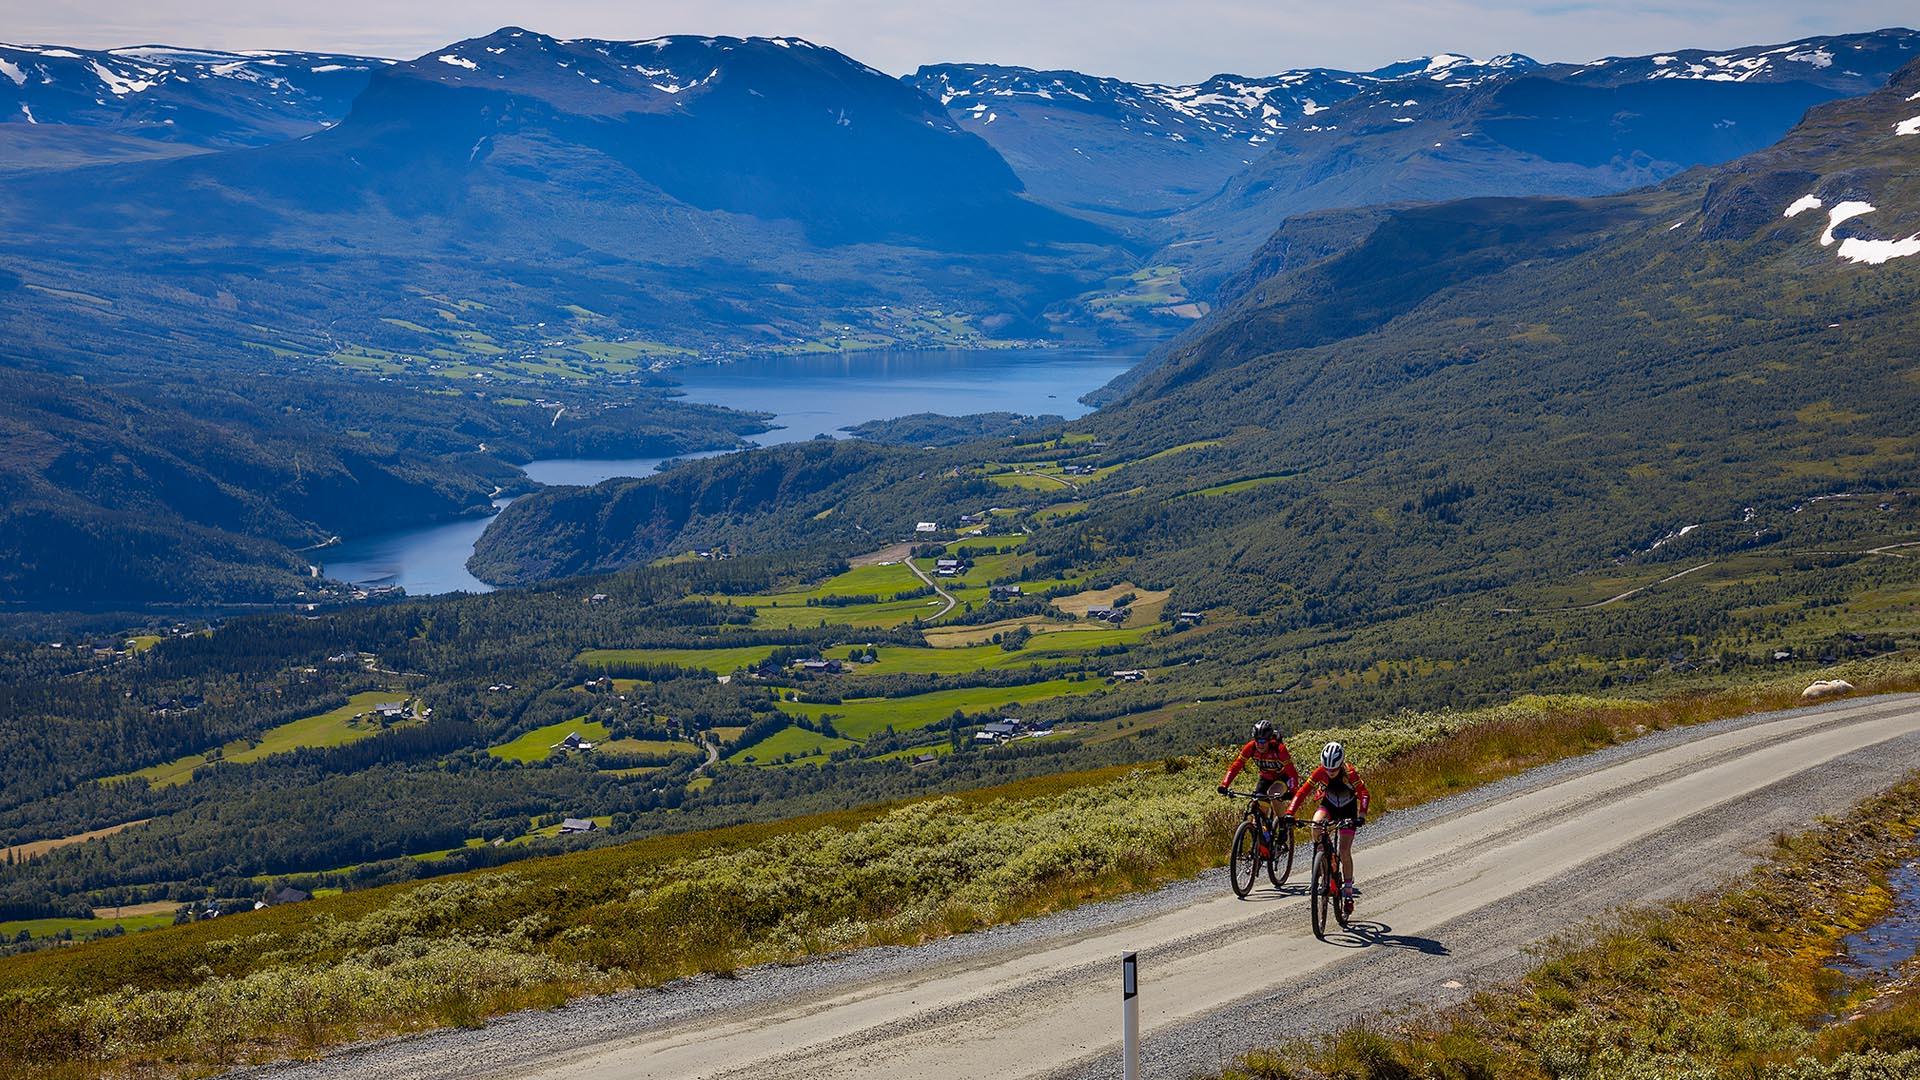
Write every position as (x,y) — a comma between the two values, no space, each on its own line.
(1244,860)
(1317,899)
(1280,867)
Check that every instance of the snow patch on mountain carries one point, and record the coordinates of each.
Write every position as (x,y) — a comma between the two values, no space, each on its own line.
(119,84)
(457,61)
(1803,204)
(1874,252)
(1841,212)
(1907,127)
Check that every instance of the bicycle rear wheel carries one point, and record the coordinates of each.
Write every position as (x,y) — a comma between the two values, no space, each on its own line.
(1280,867)
(1317,899)
(1243,861)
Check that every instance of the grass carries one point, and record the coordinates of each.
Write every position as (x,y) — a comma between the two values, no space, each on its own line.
(1046,650)
(80,928)
(537,744)
(455,950)
(41,847)
(859,718)
(1235,486)
(719,661)
(336,727)
(797,741)
(643,747)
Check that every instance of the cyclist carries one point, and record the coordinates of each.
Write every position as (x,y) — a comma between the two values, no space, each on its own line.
(1268,752)
(1343,795)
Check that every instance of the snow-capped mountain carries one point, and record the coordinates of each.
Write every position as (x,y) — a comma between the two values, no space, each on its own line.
(1856,63)
(1159,146)
(195,97)
(1233,107)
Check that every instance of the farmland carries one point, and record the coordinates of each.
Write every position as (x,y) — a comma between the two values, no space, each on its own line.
(535,745)
(336,727)
(862,717)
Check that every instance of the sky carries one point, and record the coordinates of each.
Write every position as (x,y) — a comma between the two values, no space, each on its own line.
(1141,40)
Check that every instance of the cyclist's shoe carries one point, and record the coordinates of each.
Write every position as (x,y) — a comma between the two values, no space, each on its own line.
(1265,851)
(1224,789)
(1350,891)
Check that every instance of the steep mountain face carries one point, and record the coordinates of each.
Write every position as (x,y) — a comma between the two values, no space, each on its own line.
(1106,146)
(124,492)
(1483,388)
(693,189)
(1412,403)
(1210,170)
(58,104)
(1607,126)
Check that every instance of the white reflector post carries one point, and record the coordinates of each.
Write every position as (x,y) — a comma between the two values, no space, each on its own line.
(1130,1017)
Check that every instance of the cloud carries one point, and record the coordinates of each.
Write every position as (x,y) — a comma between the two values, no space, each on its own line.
(1137,39)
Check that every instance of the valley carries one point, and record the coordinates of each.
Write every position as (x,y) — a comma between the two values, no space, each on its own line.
(557,516)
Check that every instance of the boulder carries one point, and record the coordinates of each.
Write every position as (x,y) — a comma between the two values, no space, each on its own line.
(1826,688)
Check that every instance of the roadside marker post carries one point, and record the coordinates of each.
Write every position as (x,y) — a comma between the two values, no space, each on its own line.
(1130,1017)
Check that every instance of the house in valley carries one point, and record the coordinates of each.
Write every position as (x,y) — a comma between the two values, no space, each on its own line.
(574,825)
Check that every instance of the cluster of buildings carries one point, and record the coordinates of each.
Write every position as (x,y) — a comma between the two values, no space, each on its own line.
(1008,729)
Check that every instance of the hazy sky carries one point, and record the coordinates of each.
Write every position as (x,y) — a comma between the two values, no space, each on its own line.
(1158,40)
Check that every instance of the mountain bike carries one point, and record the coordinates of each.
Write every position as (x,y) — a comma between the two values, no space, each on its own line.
(1257,842)
(1325,892)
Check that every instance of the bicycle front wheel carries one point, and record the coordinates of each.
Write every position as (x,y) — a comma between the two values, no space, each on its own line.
(1243,861)
(1317,899)
(1280,867)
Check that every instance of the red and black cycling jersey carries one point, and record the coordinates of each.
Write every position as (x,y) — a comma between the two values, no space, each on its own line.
(1272,759)
(1342,793)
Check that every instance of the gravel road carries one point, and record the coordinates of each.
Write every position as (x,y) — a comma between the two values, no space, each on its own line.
(1456,892)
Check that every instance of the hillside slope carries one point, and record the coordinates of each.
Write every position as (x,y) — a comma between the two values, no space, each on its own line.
(61,106)
(116,493)
(1441,400)
(1209,170)
(703,191)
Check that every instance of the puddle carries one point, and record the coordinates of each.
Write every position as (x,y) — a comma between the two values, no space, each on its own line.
(1877,953)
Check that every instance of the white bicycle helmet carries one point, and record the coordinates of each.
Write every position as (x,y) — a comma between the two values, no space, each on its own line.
(1333,757)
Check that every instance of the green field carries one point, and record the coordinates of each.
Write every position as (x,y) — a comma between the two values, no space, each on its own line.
(46,928)
(1237,486)
(860,717)
(1045,649)
(790,609)
(789,740)
(335,728)
(535,745)
(642,747)
(718,661)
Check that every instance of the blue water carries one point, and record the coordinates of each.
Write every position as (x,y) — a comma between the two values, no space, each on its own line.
(1878,952)
(426,561)
(808,396)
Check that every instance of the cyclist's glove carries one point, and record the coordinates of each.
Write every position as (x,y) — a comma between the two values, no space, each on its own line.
(1224,789)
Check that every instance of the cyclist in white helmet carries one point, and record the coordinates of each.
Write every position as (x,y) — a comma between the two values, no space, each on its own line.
(1343,797)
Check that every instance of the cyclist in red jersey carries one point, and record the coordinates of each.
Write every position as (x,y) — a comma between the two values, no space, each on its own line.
(1343,796)
(1268,752)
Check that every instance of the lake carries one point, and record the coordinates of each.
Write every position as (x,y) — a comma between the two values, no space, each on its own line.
(807,395)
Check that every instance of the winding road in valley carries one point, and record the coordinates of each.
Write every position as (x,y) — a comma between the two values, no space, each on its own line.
(1456,891)
(935,586)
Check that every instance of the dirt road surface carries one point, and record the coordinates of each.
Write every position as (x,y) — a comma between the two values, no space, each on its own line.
(1455,892)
